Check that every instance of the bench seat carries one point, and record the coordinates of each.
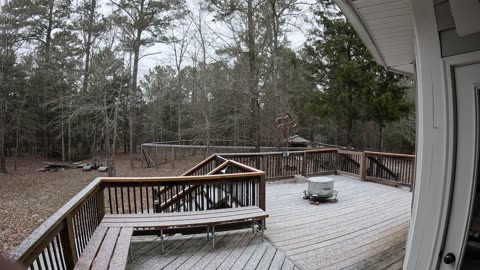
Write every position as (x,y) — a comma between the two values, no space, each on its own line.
(107,249)
(109,246)
(184,219)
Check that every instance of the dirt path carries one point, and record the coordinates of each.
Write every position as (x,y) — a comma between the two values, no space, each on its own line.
(29,197)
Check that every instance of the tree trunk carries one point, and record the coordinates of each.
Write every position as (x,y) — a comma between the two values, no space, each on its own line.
(133,91)
(179,105)
(381,128)
(62,130)
(3,165)
(69,143)
(275,30)
(253,78)
(46,86)
(88,45)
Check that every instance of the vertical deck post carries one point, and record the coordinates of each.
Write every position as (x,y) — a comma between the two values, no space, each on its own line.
(261,193)
(100,204)
(337,161)
(304,163)
(412,165)
(68,243)
(363,166)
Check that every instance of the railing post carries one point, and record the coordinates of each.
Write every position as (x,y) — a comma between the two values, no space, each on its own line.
(363,166)
(68,243)
(100,204)
(304,163)
(261,193)
(412,181)
(337,161)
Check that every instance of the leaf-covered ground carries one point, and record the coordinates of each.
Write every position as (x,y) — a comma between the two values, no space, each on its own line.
(29,197)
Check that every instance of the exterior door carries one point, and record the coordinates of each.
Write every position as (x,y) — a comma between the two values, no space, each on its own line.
(462,242)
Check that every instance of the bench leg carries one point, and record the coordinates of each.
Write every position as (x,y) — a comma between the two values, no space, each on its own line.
(253,226)
(263,229)
(162,247)
(131,254)
(208,232)
(213,236)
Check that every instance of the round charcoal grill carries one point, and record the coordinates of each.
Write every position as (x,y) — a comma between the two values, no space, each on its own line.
(320,188)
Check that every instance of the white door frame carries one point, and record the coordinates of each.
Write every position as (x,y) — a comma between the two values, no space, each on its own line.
(435,143)
(435,140)
(462,188)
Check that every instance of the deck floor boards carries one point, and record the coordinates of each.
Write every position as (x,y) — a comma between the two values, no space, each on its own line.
(366,229)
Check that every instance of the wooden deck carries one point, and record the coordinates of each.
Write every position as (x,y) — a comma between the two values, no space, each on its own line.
(366,229)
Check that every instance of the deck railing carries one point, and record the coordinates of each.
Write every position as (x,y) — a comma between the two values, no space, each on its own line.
(390,168)
(156,154)
(349,162)
(386,168)
(219,181)
(61,239)
(277,165)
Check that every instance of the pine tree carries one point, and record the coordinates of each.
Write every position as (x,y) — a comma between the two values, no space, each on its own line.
(144,23)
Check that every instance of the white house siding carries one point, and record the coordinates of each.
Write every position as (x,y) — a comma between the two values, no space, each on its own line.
(451,43)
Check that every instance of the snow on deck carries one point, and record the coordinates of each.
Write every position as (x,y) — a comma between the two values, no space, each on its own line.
(366,229)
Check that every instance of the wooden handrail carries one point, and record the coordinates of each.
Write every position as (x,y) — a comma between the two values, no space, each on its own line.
(348,152)
(243,166)
(178,178)
(203,162)
(389,154)
(59,224)
(38,237)
(256,154)
(277,153)
(322,150)
(190,188)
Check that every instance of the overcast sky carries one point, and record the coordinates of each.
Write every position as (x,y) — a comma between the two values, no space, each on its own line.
(217,36)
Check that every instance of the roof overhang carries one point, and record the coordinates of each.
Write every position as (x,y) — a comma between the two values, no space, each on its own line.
(386,28)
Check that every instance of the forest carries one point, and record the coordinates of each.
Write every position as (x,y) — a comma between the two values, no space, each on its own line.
(79,78)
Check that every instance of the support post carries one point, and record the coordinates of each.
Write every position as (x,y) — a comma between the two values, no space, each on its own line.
(68,243)
(161,242)
(261,193)
(304,163)
(363,166)
(100,204)
(213,236)
(337,161)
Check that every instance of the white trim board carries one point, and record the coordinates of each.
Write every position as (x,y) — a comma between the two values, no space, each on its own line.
(435,142)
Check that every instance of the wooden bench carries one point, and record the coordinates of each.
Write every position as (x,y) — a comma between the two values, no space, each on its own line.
(107,249)
(109,246)
(178,220)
